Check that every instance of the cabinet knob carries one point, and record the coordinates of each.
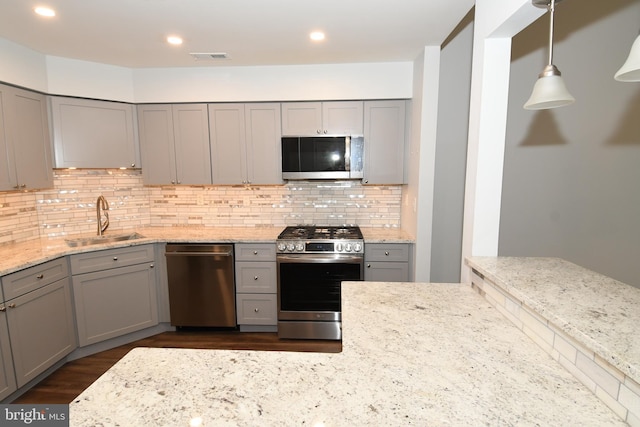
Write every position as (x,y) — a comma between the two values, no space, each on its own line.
(318,131)
(173,182)
(2,308)
(40,276)
(256,310)
(368,265)
(386,253)
(255,252)
(151,265)
(133,165)
(255,277)
(12,305)
(115,258)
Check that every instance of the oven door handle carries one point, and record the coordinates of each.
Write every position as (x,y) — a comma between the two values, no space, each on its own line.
(318,258)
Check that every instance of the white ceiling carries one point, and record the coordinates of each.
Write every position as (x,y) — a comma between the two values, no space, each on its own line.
(132,33)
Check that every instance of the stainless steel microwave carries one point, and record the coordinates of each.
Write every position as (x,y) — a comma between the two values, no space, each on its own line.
(322,157)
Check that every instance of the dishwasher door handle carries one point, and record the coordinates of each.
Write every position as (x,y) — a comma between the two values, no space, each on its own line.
(226,254)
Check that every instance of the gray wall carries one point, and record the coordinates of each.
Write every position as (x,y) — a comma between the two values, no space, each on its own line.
(571,185)
(451,153)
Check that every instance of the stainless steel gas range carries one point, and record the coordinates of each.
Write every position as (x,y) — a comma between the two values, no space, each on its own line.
(312,262)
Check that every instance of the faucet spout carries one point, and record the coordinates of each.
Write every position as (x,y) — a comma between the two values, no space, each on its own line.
(102,206)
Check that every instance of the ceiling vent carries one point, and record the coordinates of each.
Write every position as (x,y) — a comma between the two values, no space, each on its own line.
(210,56)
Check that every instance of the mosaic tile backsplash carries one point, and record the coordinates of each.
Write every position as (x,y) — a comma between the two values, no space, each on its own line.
(70,207)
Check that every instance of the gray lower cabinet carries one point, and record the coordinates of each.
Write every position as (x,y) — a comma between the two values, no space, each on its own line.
(94,134)
(387,262)
(114,292)
(7,374)
(25,146)
(39,318)
(256,285)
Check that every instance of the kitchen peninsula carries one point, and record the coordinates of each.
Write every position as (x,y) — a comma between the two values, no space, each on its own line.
(413,354)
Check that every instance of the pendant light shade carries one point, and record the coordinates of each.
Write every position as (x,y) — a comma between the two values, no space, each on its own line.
(549,90)
(630,71)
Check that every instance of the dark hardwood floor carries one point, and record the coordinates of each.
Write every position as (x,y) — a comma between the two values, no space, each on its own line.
(63,385)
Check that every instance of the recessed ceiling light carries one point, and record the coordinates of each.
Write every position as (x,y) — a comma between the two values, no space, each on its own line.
(45,11)
(316,36)
(175,40)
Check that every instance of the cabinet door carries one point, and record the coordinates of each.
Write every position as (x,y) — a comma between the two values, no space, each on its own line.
(301,118)
(7,375)
(256,277)
(384,125)
(114,302)
(386,271)
(263,136)
(342,118)
(157,145)
(93,134)
(31,142)
(228,148)
(41,329)
(7,169)
(191,134)
(25,157)
(257,309)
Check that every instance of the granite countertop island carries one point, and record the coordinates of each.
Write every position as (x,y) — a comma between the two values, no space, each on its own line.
(413,354)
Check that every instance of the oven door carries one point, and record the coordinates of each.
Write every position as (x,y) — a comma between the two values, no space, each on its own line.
(309,285)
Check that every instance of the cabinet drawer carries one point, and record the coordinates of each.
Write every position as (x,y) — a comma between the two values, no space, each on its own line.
(23,281)
(257,309)
(386,252)
(111,258)
(256,277)
(255,252)
(378,271)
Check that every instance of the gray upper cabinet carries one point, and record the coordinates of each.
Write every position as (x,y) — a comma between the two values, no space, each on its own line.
(93,134)
(245,143)
(25,144)
(322,118)
(384,139)
(174,142)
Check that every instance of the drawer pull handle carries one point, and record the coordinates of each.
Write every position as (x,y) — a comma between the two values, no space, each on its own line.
(255,252)
(152,265)
(115,258)
(256,310)
(386,253)
(368,265)
(12,305)
(40,276)
(3,308)
(255,277)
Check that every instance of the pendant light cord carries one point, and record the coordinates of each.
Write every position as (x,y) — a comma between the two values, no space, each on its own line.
(552,8)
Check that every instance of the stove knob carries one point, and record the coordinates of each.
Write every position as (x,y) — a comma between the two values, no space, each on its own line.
(291,247)
(338,247)
(300,247)
(357,247)
(347,247)
(282,247)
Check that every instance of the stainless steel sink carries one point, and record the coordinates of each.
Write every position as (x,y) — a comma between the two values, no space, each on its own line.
(98,240)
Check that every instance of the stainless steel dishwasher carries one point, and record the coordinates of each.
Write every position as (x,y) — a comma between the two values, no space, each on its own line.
(201,285)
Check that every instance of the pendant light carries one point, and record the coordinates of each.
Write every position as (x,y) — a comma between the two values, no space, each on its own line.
(630,71)
(549,90)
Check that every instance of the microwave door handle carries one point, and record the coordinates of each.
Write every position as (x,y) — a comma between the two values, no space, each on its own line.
(347,153)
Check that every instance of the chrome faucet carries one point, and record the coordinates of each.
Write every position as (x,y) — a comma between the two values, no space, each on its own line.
(102,206)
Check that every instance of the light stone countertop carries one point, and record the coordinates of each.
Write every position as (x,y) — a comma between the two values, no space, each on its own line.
(413,354)
(599,312)
(27,254)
